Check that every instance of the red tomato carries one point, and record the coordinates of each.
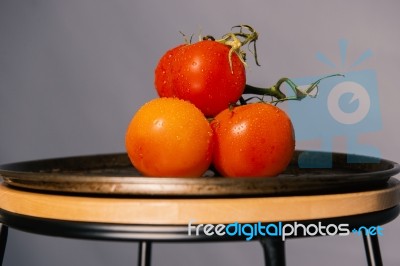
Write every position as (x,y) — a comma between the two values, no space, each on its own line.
(169,137)
(163,74)
(253,140)
(201,74)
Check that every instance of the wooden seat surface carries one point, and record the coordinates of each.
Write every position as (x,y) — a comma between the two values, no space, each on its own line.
(179,211)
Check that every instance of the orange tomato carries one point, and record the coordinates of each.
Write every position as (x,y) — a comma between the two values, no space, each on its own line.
(252,140)
(169,137)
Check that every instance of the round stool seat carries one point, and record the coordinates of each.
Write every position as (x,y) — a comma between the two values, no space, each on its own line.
(179,211)
(166,219)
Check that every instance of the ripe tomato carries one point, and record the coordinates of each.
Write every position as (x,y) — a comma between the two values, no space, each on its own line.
(201,73)
(169,137)
(163,74)
(252,140)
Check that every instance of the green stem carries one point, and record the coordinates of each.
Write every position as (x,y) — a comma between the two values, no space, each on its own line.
(272,91)
(276,92)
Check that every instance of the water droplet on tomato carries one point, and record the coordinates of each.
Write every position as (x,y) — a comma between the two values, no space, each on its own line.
(159,123)
(240,128)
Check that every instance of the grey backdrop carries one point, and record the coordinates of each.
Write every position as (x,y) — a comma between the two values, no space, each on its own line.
(72,73)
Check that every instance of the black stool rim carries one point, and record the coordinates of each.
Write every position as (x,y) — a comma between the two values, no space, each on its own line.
(159,233)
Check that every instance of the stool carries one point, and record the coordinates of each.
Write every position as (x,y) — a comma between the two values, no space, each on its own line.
(149,220)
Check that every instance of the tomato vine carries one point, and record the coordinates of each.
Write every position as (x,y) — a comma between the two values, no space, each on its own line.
(247,35)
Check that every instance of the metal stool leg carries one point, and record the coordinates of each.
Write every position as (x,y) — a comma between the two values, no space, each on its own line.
(274,251)
(3,241)
(144,258)
(371,244)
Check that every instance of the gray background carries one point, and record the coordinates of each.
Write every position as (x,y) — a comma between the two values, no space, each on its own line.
(72,73)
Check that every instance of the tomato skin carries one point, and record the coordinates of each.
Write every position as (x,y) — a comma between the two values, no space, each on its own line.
(254,140)
(201,74)
(163,73)
(169,137)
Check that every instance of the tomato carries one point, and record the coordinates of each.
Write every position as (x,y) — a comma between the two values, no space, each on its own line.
(169,137)
(252,140)
(201,73)
(163,74)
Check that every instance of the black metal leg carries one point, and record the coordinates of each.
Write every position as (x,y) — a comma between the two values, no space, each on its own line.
(371,244)
(3,241)
(274,251)
(144,258)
